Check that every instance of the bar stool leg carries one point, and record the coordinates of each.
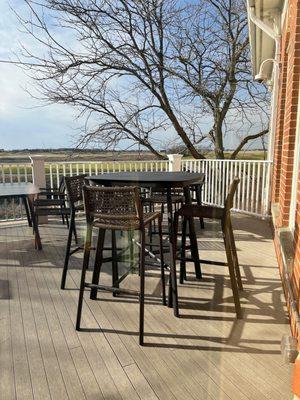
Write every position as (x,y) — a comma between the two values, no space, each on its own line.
(199,202)
(234,286)
(25,202)
(75,231)
(98,262)
(183,242)
(235,256)
(182,276)
(193,238)
(115,272)
(68,248)
(151,228)
(142,287)
(173,292)
(86,257)
(162,264)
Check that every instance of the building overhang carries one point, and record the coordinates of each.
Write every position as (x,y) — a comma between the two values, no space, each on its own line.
(270,13)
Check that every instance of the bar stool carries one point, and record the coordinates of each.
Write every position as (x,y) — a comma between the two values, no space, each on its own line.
(74,185)
(116,209)
(223,215)
(197,190)
(52,201)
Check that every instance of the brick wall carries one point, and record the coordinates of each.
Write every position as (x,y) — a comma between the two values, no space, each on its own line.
(286,129)
(277,157)
(284,148)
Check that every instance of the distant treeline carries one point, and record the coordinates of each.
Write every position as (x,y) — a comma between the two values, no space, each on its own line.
(67,149)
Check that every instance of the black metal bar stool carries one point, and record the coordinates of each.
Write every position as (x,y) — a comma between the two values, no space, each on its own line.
(74,185)
(116,209)
(159,197)
(223,215)
(197,190)
(52,202)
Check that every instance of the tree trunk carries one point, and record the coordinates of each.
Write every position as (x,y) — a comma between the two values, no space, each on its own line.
(219,146)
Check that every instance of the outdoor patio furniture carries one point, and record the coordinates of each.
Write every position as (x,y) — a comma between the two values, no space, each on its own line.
(116,209)
(168,181)
(159,197)
(197,190)
(74,185)
(26,192)
(52,202)
(223,215)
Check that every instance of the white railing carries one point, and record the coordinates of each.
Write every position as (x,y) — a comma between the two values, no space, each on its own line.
(55,170)
(13,173)
(252,195)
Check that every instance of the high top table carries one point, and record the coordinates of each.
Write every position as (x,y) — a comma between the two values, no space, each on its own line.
(25,191)
(167,181)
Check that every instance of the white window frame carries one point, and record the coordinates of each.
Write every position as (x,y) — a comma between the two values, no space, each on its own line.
(293,204)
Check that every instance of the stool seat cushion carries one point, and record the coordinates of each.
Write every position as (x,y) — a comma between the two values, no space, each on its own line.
(194,210)
(123,222)
(160,198)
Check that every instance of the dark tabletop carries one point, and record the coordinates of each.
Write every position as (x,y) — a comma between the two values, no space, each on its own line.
(18,189)
(148,179)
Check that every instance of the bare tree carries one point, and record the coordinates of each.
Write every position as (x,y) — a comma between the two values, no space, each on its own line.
(138,68)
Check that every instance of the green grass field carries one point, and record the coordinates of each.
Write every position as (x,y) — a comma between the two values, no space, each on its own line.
(57,155)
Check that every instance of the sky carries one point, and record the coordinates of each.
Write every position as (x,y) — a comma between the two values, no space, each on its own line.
(23,122)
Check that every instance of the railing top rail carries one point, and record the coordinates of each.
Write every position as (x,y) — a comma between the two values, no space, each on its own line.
(15,163)
(105,162)
(226,160)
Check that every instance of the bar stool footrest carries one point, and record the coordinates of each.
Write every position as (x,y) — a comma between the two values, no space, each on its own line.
(111,289)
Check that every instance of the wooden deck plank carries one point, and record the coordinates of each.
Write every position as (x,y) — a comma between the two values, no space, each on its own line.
(102,376)
(52,368)
(205,354)
(20,361)
(139,382)
(7,384)
(67,367)
(38,377)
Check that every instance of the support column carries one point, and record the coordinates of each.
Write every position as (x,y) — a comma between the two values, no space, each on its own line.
(39,177)
(174,162)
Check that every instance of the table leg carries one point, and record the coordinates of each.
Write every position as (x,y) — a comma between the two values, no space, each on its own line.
(38,243)
(193,238)
(173,293)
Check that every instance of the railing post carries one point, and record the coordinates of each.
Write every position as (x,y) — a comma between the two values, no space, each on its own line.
(174,162)
(39,177)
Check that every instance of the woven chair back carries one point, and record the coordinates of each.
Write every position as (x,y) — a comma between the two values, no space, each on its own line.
(74,186)
(113,203)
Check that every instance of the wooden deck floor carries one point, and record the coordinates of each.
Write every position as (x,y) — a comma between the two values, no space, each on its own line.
(205,354)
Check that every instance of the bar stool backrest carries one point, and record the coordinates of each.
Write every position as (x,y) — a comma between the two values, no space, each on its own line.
(74,186)
(231,193)
(113,203)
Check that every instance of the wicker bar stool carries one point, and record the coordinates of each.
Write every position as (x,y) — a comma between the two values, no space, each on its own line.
(74,185)
(116,209)
(223,215)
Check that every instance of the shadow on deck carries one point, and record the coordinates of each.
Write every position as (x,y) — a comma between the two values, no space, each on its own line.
(204,354)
